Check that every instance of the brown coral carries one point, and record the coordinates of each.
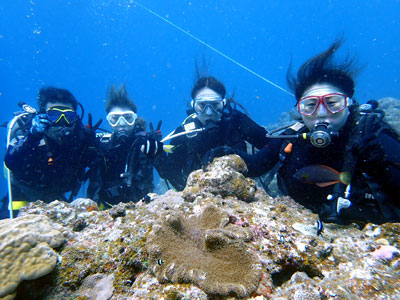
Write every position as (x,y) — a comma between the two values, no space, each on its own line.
(222,177)
(205,250)
(26,250)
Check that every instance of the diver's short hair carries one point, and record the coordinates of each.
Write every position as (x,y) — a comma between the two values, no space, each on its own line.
(53,94)
(119,98)
(211,83)
(322,69)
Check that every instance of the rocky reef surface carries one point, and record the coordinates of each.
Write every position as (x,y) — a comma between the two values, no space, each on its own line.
(391,107)
(221,238)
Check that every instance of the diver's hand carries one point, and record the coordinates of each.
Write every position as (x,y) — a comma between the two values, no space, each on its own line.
(156,134)
(39,125)
(151,147)
(331,210)
(90,124)
(91,130)
(216,152)
(328,212)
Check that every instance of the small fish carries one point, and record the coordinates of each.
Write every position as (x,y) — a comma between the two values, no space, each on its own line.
(282,239)
(321,175)
(160,262)
(320,227)
(168,148)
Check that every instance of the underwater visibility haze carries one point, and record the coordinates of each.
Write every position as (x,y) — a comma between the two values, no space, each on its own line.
(85,46)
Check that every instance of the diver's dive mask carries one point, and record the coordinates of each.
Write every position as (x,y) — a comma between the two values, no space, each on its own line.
(208,104)
(116,118)
(333,102)
(59,115)
(209,108)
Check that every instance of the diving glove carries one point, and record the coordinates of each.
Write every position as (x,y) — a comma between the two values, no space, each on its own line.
(39,125)
(151,147)
(155,134)
(153,144)
(216,152)
(332,210)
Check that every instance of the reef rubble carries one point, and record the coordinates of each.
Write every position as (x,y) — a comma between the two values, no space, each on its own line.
(157,250)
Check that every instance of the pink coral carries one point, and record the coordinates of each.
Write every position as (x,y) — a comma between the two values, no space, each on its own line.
(385,252)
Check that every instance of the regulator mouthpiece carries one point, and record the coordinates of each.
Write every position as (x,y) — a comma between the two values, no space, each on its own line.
(321,136)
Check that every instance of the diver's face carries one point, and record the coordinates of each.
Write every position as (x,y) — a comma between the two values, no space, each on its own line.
(63,122)
(335,120)
(208,105)
(123,120)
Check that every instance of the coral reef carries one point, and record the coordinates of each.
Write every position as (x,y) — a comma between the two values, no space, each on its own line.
(391,107)
(96,287)
(205,250)
(222,177)
(26,250)
(343,262)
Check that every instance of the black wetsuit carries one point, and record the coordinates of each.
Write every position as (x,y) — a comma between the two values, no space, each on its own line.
(233,130)
(385,174)
(126,172)
(44,170)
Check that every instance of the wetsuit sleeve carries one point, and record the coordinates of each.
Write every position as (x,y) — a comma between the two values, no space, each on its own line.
(19,154)
(93,163)
(170,167)
(264,160)
(142,178)
(251,131)
(96,172)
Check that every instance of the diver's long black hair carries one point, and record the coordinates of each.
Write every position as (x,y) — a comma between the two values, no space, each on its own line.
(204,80)
(322,69)
(211,83)
(119,98)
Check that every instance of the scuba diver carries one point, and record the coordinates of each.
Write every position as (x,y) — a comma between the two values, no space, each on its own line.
(213,123)
(49,152)
(125,173)
(341,160)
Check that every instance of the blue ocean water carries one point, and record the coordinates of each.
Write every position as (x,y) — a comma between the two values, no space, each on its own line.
(85,46)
